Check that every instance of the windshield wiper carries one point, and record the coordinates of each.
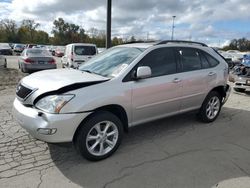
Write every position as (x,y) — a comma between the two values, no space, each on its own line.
(88,71)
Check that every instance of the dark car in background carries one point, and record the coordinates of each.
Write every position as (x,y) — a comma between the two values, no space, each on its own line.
(30,45)
(35,59)
(5,49)
(18,48)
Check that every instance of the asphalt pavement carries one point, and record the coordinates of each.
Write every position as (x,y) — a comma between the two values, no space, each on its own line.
(177,152)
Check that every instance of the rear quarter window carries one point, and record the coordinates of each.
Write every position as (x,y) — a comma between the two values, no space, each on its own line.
(212,61)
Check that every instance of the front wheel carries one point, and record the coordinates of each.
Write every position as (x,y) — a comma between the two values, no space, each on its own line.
(100,136)
(211,107)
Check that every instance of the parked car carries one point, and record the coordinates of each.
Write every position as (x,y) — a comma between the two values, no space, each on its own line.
(77,54)
(34,59)
(59,52)
(18,48)
(240,75)
(100,50)
(5,49)
(53,50)
(236,56)
(3,61)
(122,87)
(228,57)
(30,45)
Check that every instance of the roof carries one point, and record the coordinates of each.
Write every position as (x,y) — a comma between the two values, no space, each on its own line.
(82,44)
(139,45)
(170,42)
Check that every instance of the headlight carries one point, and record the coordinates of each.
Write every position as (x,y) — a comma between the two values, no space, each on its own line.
(53,103)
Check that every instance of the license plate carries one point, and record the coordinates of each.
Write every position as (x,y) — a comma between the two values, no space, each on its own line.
(248,82)
(42,62)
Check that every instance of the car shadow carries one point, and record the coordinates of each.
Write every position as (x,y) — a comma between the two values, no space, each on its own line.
(83,172)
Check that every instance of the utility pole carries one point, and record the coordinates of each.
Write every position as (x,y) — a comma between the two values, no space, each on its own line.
(172,37)
(108,29)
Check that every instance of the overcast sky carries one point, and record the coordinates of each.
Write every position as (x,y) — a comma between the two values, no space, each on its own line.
(210,21)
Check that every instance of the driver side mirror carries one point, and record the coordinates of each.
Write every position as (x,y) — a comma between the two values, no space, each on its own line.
(143,72)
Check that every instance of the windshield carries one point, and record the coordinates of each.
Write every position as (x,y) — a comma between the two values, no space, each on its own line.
(4,45)
(85,50)
(111,62)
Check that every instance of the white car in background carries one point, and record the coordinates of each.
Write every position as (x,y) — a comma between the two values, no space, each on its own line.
(77,54)
(236,56)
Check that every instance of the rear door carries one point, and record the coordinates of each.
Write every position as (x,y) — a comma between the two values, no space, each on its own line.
(159,95)
(83,53)
(194,77)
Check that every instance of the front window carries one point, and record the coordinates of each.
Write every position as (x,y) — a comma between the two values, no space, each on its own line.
(111,62)
(85,50)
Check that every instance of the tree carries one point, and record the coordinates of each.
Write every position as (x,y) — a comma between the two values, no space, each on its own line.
(241,44)
(8,31)
(30,26)
(41,37)
(116,41)
(132,39)
(65,33)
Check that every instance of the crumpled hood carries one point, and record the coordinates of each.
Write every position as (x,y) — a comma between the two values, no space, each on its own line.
(53,80)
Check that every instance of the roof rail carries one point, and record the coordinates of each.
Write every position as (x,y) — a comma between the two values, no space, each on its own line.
(181,41)
(140,41)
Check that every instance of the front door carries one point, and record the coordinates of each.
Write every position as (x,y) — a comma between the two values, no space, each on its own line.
(159,95)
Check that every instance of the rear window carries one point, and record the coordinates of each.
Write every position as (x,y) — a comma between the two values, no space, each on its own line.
(37,52)
(85,50)
(19,46)
(31,45)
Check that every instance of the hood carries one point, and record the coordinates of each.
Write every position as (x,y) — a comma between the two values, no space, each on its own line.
(62,80)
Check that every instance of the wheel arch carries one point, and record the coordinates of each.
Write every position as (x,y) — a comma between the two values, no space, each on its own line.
(115,109)
(221,90)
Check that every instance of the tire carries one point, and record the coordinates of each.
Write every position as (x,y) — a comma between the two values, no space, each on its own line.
(98,138)
(23,70)
(241,90)
(211,107)
(5,64)
(231,65)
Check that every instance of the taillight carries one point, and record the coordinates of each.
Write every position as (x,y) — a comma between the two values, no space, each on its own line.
(52,61)
(28,60)
(72,56)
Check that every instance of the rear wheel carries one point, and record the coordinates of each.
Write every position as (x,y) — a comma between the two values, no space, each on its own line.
(5,64)
(211,107)
(23,70)
(100,136)
(241,90)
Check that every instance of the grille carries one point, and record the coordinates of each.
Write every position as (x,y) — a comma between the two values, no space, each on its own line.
(22,91)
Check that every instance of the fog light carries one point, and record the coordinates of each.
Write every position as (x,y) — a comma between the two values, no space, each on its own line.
(46,131)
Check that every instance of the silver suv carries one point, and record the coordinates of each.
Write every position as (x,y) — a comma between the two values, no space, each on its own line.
(120,88)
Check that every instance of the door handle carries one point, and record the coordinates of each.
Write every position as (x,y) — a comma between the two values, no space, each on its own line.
(176,80)
(211,73)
